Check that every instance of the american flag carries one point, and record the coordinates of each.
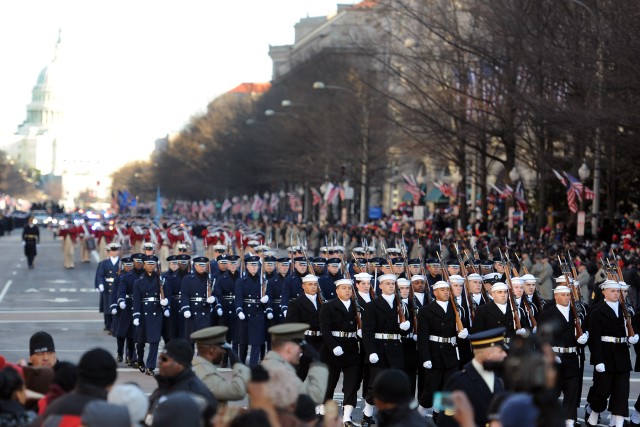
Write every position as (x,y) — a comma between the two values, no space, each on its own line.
(317,197)
(294,202)
(447,190)
(411,185)
(273,203)
(257,205)
(571,193)
(579,187)
(519,195)
(226,205)
(331,193)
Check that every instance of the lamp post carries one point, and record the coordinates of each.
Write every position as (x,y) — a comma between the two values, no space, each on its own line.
(365,144)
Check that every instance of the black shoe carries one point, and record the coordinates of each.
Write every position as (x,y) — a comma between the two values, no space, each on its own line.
(348,424)
(632,424)
(435,417)
(141,367)
(119,358)
(149,372)
(128,362)
(367,421)
(135,365)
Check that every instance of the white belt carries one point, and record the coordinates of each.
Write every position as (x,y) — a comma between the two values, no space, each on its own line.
(447,340)
(150,299)
(564,349)
(197,299)
(615,340)
(109,279)
(387,336)
(311,333)
(408,336)
(342,334)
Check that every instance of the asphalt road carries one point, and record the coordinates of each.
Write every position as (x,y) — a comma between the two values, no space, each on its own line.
(65,304)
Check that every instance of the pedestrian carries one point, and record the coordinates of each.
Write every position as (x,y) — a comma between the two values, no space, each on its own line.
(13,396)
(392,396)
(30,241)
(42,351)
(133,398)
(103,414)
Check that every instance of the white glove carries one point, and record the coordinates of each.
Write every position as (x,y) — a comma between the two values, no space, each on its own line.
(284,313)
(264,299)
(600,367)
(463,333)
(24,243)
(269,316)
(211,299)
(373,358)
(164,302)
(101,287)
(415,337)
(136,322)
(427,364)
(534,330)
(558,360)
(359,333)
(405,325)
(583,338)
(123,305)
(338,351)
(521,331)
(219,311)
(633,339)
(167,313)
(187,314)
(241,316)
(114,311)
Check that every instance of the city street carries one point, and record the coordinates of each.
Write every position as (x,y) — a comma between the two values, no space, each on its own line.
(64,303)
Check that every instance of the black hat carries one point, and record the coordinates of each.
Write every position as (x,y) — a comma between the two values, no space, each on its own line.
(200,260)
(254,259)
(376,261)
(137,257)
(432,262)
(222,259)
(300,259)
(497,260)
(489,338)
(392,386)
(41,342)
(179,350)
(305,408)
(183,258)
(128,261)
(147,246)
(283,260)
(150,259)
(414,262)
(213,335)
(65,376)
(397,261)
(453,263)
(233,258)
(269,259)
(334,261)
(172,258)
(97,367)
(114,246)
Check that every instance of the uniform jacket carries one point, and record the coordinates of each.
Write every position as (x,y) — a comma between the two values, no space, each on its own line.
(489,316)
(432,320)
(379,317)
(564,336)
(223,389)
(252,330)
(315,385)
(184,381)
(603,322)
(334,316)
(150,313)
(193,298)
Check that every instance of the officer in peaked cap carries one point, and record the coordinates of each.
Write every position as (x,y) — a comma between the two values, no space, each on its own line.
(173,326)
(415,266)
(105,277)
(288,342)
(327,280)
(253,307)
(225,293)
(434,273)
(149,306)
(196,297)
(212,347)
(292,287)
(479,384)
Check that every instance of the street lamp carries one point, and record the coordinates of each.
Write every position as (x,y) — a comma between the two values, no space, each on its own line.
(365,144)
(583,173)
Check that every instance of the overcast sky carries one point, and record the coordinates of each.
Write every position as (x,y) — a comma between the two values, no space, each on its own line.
(139,68)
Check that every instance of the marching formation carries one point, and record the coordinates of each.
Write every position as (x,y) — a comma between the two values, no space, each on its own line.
(447,323)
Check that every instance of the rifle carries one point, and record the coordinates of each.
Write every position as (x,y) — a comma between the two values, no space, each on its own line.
(356,265)
(354,300)
(483,291)
(476,254)
(160,280)
(319,295)
(572,302)
(463,270)
(399,308)
(512,299)
(445,276)
(574,271)
(525,301)
(410,300)
(623,304)
(422,271)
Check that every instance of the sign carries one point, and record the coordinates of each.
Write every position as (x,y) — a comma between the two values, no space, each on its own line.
(375,212)
(418,213)
(581,222)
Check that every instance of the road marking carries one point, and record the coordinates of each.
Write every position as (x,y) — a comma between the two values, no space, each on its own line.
(6,288)
(56,321)
(14,272)
(61,309)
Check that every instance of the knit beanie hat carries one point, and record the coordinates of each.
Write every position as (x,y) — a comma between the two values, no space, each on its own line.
(97,367)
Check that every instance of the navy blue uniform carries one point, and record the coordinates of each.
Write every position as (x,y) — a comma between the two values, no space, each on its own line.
(175,322)
(105,275)
(147,308)
(253,329)
(193,298)
(291,289)
(276,284)
(327,285)
(225,293)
